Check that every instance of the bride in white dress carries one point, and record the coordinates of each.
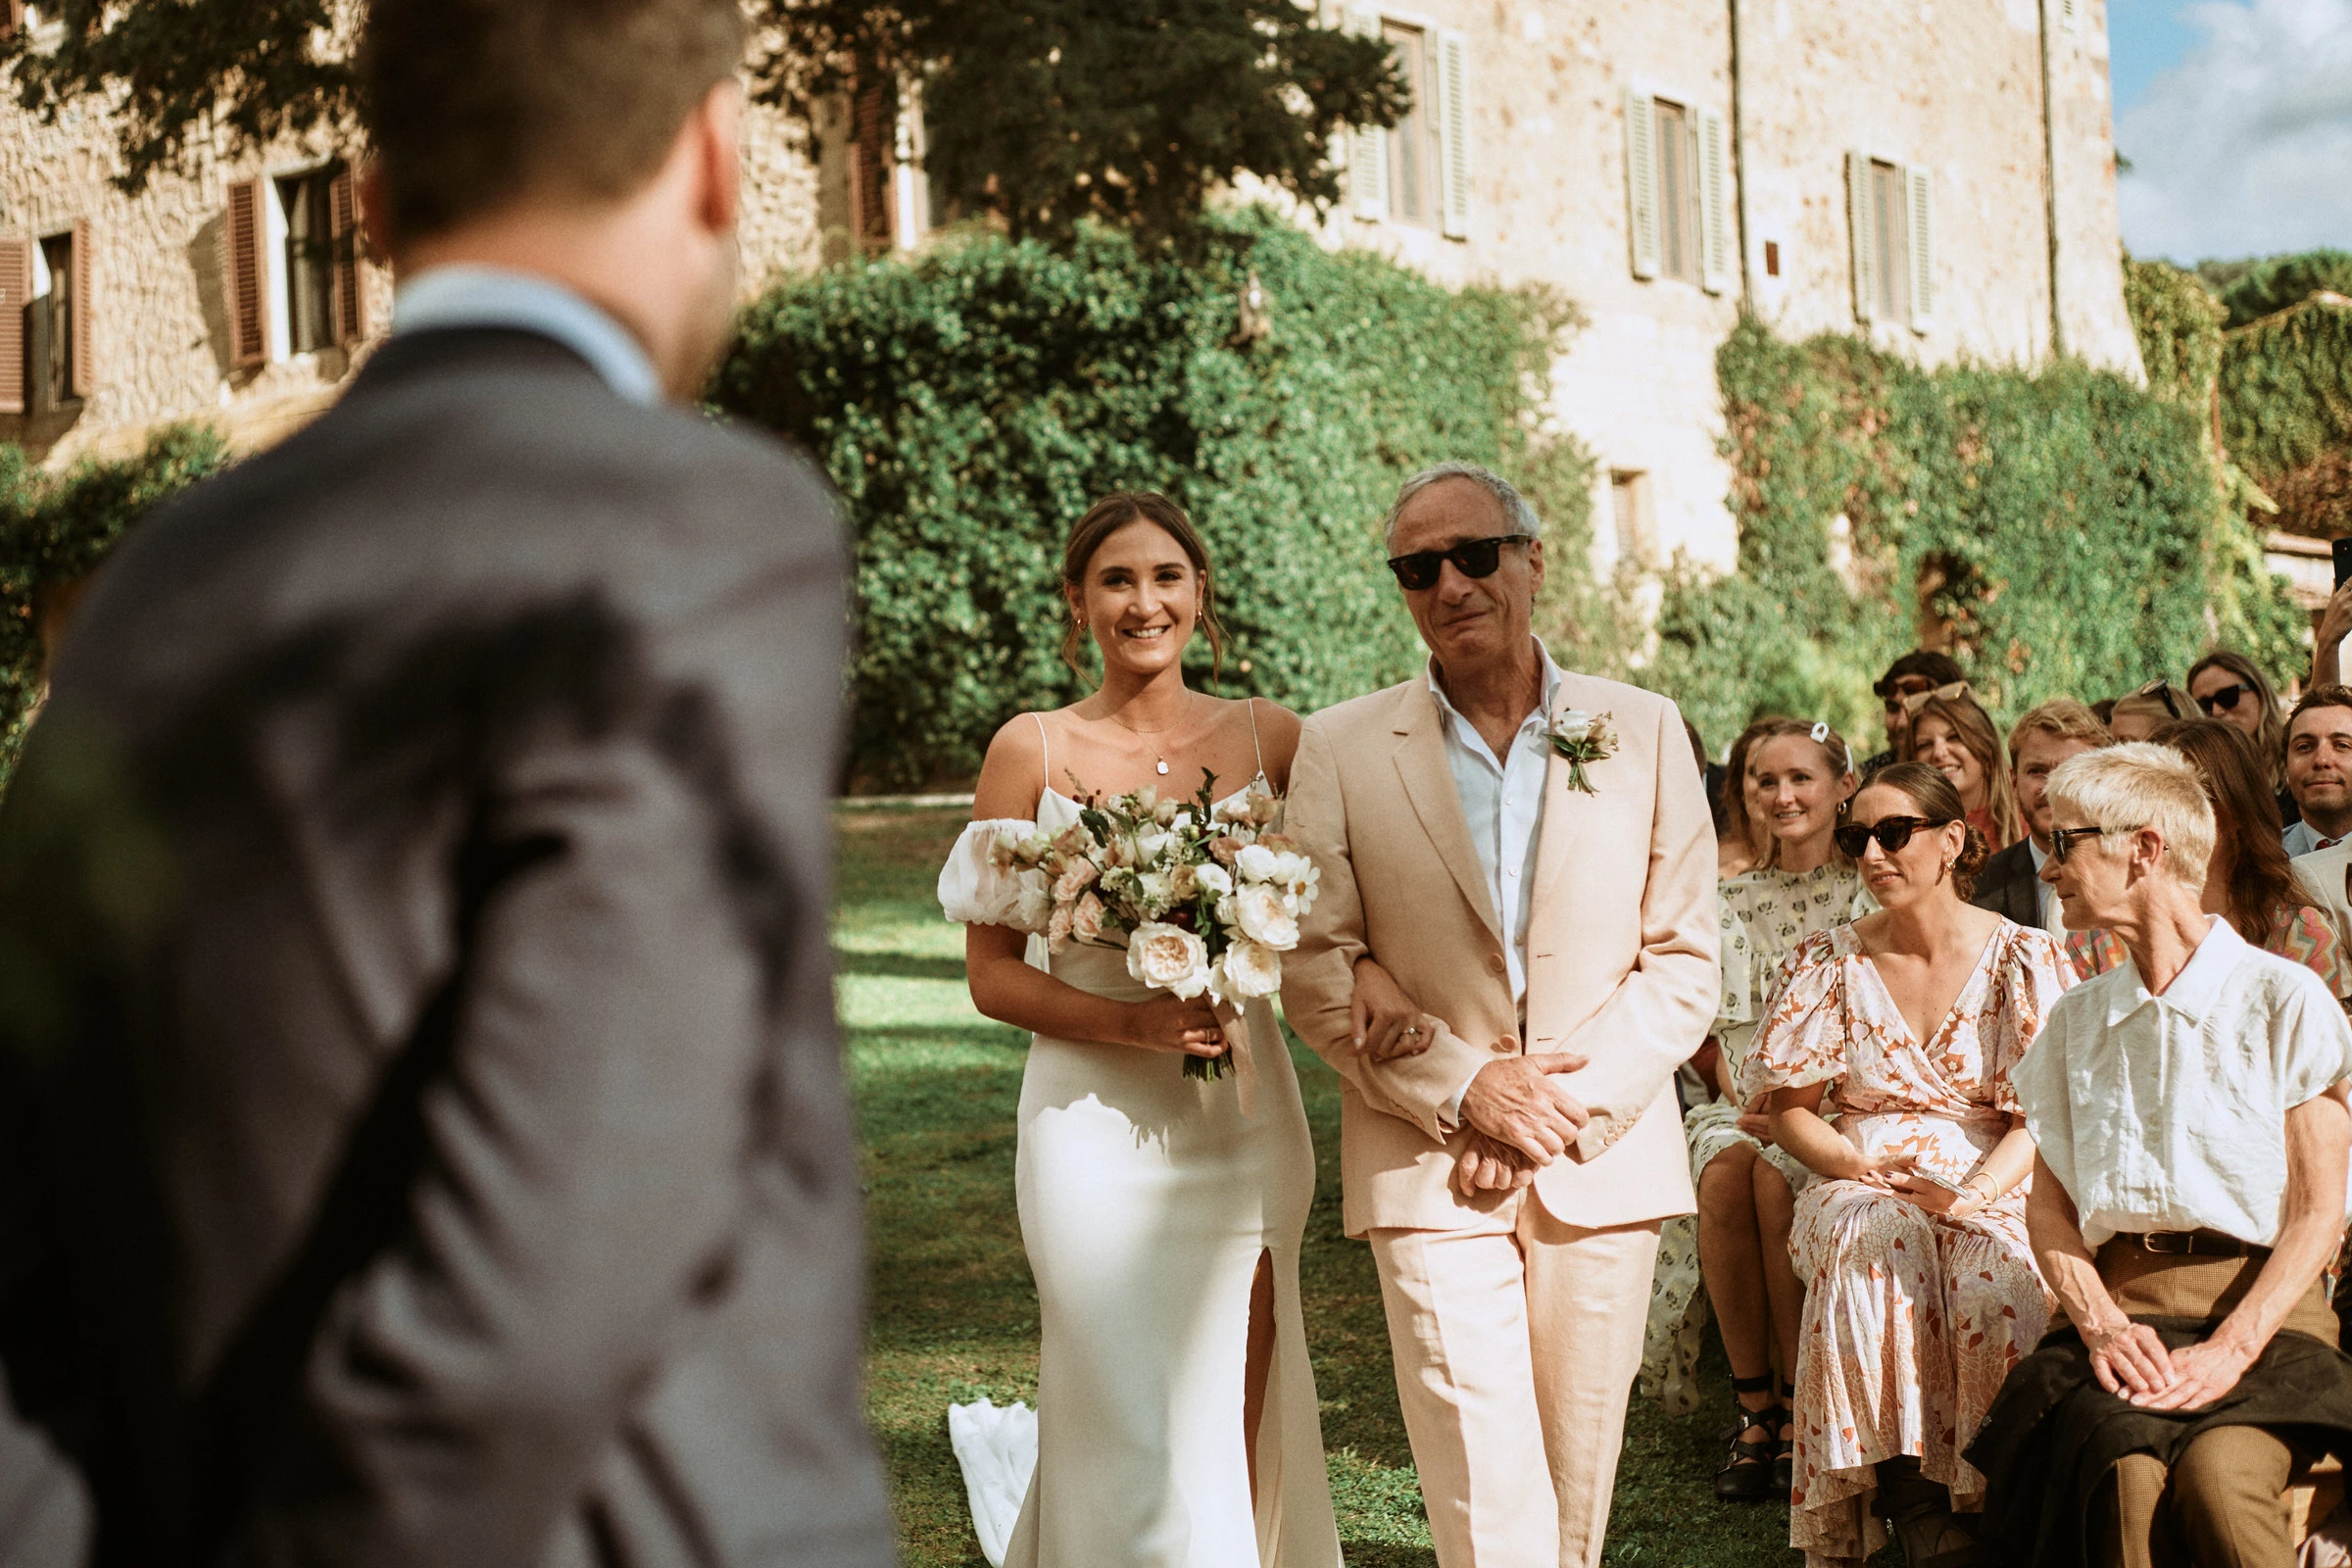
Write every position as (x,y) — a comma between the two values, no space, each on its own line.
(1177,1425)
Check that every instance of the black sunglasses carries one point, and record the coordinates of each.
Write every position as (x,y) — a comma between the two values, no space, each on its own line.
(2162,690)
(2225,699)
(2062,839)
(1892,832)
(1473,558)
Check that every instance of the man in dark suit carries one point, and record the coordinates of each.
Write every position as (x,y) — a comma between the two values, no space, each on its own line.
(429,1143)
(2010,882)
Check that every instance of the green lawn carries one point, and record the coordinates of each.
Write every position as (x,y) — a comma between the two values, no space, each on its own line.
(954,1315)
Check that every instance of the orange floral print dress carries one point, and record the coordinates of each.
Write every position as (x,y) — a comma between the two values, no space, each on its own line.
(1911,1321)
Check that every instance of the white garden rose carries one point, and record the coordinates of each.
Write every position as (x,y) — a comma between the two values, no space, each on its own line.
(1150,845)
(1213,877)
(1574,724)
(1035,900)
(1251,969)
(1170,957)
(1157,890)
(1262,916)
(1257,863)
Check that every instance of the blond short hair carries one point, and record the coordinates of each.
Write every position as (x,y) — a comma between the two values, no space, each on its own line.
(2063,717)
(2121,789)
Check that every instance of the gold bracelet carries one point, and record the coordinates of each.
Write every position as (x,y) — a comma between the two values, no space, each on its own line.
(1991,1190)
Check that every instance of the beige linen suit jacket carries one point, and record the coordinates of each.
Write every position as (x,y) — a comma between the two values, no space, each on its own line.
(1622,961)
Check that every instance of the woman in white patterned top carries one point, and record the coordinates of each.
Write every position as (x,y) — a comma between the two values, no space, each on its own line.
(1795,781)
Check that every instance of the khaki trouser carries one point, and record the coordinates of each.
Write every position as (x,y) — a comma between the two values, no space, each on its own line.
(2223,1505)
(1516,1340)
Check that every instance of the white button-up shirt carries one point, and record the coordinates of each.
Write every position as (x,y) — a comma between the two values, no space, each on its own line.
(2169,1112)
(1502,801)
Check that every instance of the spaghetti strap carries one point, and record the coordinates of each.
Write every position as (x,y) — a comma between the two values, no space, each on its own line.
(1044,751)
(1252,704)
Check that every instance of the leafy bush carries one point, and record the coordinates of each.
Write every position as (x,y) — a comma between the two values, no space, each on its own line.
(2064,528)
(2287,411)
(2276,282)
(54,530)
(970,404)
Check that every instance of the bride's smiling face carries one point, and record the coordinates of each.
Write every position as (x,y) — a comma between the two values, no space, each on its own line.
(1141,598)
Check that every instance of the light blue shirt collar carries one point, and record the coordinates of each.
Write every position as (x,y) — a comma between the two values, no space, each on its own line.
(447,297)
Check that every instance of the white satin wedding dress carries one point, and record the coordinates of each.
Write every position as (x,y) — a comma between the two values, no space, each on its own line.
(1147,1199)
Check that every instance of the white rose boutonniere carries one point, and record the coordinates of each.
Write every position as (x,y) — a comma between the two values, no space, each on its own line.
(1582,738)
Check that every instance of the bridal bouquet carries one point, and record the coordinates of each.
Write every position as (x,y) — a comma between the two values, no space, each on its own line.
(1203,897)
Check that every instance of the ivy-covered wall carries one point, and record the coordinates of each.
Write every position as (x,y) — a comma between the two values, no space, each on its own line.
(2064,530)
(972,403)
(2286,409)
(55,529)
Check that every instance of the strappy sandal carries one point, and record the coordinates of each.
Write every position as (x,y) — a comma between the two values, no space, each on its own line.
(1783,1450)
(1746,1473)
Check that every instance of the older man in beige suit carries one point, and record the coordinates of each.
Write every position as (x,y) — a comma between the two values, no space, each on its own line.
(1507,969)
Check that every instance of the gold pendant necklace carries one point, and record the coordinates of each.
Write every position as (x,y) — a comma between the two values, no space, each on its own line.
(1160,757)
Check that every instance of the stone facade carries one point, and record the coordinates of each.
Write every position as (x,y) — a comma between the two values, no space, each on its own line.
(1584,144)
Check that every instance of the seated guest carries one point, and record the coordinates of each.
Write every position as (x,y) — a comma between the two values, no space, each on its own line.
(2319,768)
(1918,670)
(2251,882)
(2188,1113)
(2011,885)
(2135,715)
(1951,732)
(1799,777)
(2232,688)
(1740,845)
(1919,1292)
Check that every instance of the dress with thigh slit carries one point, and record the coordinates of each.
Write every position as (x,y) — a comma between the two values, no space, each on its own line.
(1147,1200)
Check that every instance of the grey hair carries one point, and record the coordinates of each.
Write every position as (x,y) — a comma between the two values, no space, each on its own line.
(1515,511)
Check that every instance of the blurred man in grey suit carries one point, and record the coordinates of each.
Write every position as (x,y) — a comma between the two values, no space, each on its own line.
(428,1139)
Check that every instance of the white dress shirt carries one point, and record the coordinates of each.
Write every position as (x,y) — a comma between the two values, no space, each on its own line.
(444,297)
(1502,801)
(2169,1112)
(2304,839)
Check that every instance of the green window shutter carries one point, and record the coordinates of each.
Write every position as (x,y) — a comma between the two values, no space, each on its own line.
(1453,130)
(1367,145)
(1918,190)
(1642,179)
(1857,210)
(1715,203)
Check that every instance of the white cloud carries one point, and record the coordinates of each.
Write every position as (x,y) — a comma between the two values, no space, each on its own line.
(2245,146)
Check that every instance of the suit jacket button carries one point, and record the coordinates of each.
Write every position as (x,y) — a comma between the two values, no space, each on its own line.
(1494,962)
(1503,1047)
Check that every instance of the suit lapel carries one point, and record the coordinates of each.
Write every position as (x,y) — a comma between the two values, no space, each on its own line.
(1429,784)
(1564,809)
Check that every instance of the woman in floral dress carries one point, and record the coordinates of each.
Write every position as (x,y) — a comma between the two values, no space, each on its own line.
(1921,1290)
(2250,882)
(1795,780)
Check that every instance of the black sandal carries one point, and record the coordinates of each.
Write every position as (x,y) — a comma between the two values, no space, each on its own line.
(1746,1473)
(1783,1450)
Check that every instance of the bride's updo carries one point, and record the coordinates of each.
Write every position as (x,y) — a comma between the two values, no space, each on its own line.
(1107,517)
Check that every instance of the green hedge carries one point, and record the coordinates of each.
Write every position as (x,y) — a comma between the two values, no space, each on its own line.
(2286,411)
(2276,282)
(972,403)
(55,529)
(2067,525)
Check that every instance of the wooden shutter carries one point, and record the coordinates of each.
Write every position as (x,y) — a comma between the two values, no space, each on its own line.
(16,302)
(873,137)
(83,377)
(1715,203)
(1369,145)
(343,233)
(1857,210)
(1642,178)
(1920,229)
(246,267)
(1453,132)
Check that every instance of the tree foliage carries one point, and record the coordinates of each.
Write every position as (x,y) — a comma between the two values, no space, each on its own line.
(970,404)
(1129,112)
(2287,411)
(2278,283)
(177,73)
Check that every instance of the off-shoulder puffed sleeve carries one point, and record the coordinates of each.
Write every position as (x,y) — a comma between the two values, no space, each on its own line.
(2033,975)
(974,891)
(1801,1041)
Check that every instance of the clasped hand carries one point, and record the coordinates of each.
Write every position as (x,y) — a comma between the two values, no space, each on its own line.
(1898,1174)
(2129,1360)
(1171,1023)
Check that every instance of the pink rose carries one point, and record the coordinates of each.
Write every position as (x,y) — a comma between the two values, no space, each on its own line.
(1086,922)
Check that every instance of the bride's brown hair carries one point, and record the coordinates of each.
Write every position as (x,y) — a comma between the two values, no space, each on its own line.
(1107,517)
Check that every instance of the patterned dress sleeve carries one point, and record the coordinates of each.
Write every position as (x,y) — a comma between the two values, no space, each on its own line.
(2034,972)
(1735,1010)
(1801,1041)
(974,890)
(2309,937)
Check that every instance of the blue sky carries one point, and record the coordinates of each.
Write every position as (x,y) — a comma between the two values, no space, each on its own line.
(2237,118)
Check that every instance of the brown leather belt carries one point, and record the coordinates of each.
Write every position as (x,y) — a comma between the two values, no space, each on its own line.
(2193,1243)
